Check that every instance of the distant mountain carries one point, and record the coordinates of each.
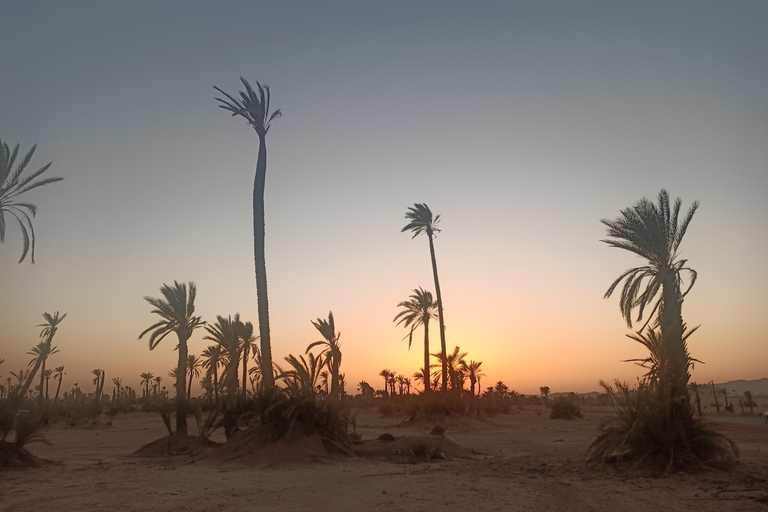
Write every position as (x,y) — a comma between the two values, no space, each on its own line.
(738,387)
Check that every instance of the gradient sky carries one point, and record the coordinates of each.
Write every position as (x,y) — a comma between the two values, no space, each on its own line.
(521,123)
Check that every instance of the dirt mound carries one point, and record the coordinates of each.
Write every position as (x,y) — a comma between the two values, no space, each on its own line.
(447,422)
(413,448)
(175,444)
(13,457)
(253,446)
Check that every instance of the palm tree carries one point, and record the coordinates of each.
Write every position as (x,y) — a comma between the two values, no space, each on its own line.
(50,327)
(146,378)
(545,393)
(418,311)
(98,380)
(41,352)
(13,185)
(302,378)
(254,108)
(385,373)
(452,363)
(58,374)
(474,373)
(177,312)
(211,361)
(118,382)
(332,350)
(420,221)
(247,341)
(194,363)
(226,332)
(156,385)
(749,402)
(654,232)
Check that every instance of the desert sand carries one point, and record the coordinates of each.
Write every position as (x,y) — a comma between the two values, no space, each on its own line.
(522,461)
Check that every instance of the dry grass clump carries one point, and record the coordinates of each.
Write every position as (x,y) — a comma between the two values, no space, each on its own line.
(654,433)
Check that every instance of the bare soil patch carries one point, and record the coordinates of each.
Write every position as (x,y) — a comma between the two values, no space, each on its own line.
(519,461)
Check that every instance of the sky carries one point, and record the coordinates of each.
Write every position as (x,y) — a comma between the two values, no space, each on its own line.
(521,123)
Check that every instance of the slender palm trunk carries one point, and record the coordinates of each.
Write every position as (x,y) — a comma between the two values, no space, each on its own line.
(261,263)
(42,380)
(439,313)
(245,369)
(189,385)
(427,389)
(58,388)
(335,377)
(216,380)
(181,373)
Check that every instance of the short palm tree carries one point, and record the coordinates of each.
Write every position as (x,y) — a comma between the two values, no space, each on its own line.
(331,351)
(453,364)
(118,383)
(301,378)
(226,332)
(146,378)
(418,311)
(50,327)
(420,220)
(98,380)
(41,352)
(12,185)
(544,390)
(253,106)
(58,374)
(176,310)
(194,363)
(211,361)
(474,372)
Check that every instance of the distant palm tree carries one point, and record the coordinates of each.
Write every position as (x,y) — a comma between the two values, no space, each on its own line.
(247,342)
(176,309)
(385,373)
(545,393)
(254,108)
(58,374)
(452,363)
(98,380)
(41,352)
(118,382)
(146,378)
(156,385)
(749,402)
(420,220)
(194,363)
(331,351)
(473,371)
(211,361)
(13,185)
(416,312)
(226,332)
(50,327)
(654,232)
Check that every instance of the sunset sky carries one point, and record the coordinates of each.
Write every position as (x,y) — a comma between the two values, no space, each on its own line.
(521,123)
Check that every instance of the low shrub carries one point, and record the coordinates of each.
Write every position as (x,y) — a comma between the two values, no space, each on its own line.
(565,408)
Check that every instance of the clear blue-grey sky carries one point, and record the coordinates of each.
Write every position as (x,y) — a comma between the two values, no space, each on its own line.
(521,123)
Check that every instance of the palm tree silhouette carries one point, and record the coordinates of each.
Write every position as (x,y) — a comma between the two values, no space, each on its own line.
(41,352)
(473,371)
(194,363)
(420,220)
(50,327)
(545,393)
(13,185)
(418,311)
(146,378)
(118,382)
(176,308)
(58,374)
(301,379)
(254,108)
(226,332)
(211,361)
(453,363)
(332,350)
(247,342)
(654,232)
(385,373)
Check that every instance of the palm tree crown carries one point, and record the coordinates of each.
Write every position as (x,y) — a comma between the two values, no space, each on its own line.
(13,185)
(251,105)
(332,350)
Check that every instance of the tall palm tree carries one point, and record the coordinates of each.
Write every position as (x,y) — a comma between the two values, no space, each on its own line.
(385,373)
(416,312)
(420,220)
(194,363)
(58,374)
(50,327)
(211,361)
(453,364)
(146,378)
(118,382)
(331,350)
(253,106)
(41,352)
(13,185)
(176,309)
(654,232)
(156,385)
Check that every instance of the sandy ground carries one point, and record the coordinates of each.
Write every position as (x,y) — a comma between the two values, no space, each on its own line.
(516,462)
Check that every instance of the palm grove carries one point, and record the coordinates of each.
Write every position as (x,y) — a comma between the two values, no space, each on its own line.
(314,382)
